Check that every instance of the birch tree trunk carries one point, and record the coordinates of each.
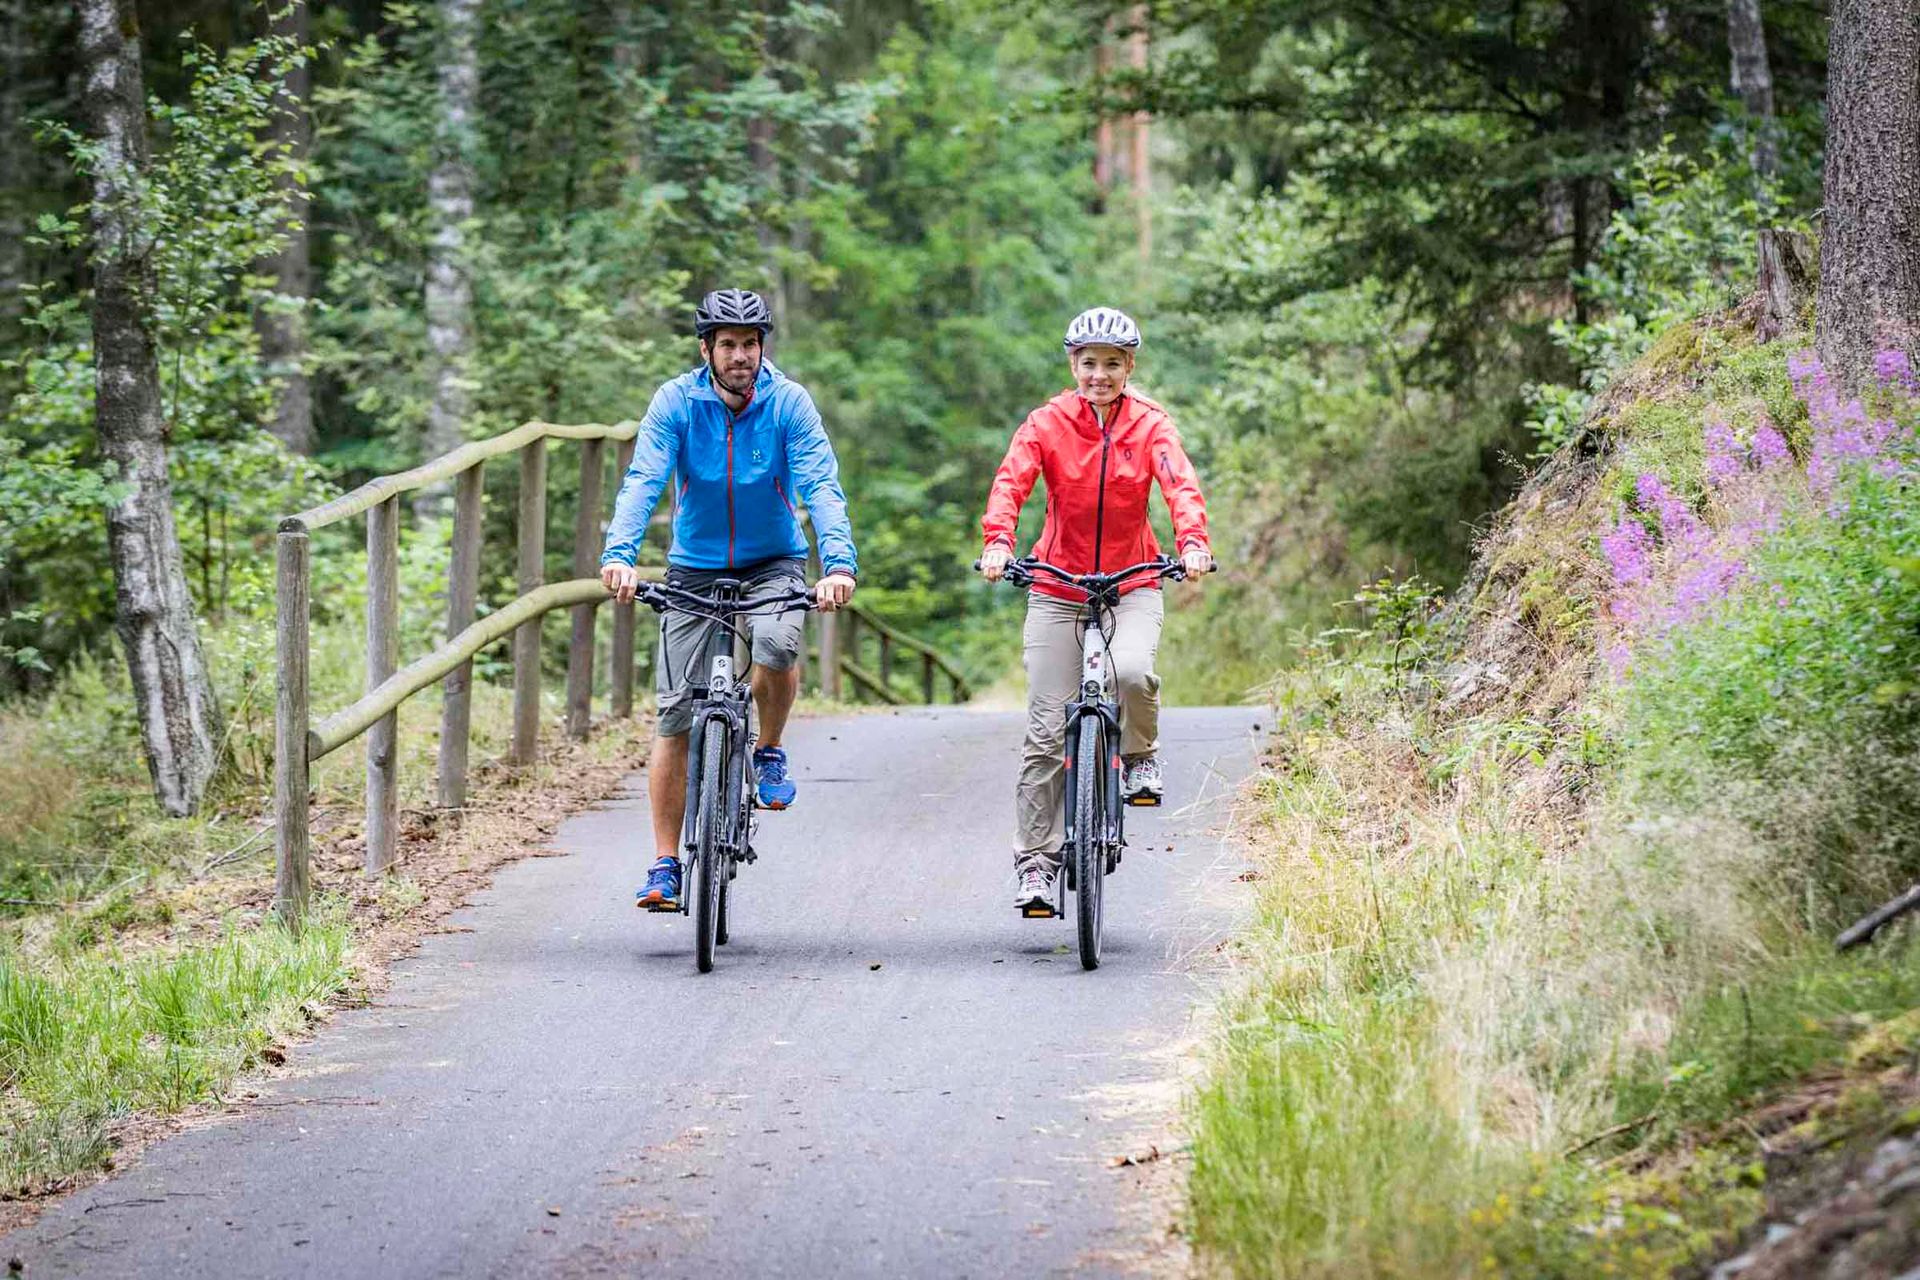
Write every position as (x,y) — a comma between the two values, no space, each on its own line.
(449,292)
(1869,295)
(283,330)
(153,613)
(1753,80)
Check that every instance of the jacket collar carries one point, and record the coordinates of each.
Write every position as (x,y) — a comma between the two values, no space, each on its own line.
(701,387)
(1081,415)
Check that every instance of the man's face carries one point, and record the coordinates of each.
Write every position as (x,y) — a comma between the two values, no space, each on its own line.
(735,357)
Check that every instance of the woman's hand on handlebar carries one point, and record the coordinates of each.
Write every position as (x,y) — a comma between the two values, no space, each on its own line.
(620,579)
(1196,561)
(993,563)
(833,591)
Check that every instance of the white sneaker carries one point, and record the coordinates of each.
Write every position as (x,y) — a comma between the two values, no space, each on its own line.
(1143,785)
(1034,898)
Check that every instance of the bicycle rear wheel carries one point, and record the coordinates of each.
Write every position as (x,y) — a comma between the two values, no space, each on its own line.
(709,875)
(1089,836)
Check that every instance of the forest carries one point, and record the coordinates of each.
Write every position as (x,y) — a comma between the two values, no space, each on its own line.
(1469,313)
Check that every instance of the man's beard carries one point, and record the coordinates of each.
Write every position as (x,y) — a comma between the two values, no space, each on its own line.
(750,376)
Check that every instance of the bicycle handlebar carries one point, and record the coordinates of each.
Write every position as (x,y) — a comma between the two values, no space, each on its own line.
(1020,572)
(660,597)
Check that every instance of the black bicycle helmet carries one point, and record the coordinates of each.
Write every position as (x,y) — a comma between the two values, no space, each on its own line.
(732,309)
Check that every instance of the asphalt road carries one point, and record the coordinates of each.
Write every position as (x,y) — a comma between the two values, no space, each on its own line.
(558,1092)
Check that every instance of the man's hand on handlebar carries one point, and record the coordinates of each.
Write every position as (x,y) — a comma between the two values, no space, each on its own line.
(620,579)
(1197,561)
(993,563)
(833,591)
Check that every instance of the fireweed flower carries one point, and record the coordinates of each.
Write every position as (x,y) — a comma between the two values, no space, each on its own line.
(1894,370)
(1669,567)
(1770,447)
(1629,553)
(1725,458)
(1680,529)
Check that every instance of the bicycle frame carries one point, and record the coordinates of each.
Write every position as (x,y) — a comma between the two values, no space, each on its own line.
(723,695)
(1098,697)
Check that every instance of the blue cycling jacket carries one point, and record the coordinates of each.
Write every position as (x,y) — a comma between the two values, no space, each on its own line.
(735,479)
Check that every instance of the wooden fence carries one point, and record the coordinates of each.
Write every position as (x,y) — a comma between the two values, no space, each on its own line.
(298,742)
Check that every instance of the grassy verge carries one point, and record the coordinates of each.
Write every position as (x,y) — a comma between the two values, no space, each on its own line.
(140,973)
(90,1040)
(1536,937)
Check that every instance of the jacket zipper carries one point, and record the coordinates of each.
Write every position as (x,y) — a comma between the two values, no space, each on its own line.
(730,421)
(1100,503)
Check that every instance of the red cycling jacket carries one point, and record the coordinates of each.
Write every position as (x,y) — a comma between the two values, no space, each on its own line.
(1097,483)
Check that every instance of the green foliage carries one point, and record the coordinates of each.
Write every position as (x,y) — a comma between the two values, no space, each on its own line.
(1680,246)
(1801,683)
(84,1044)
(208,206)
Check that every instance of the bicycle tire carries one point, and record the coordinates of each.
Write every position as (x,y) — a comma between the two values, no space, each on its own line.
(708,874)
(1089,837)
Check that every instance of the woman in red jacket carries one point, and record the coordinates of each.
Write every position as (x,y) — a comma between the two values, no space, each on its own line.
(1100,448)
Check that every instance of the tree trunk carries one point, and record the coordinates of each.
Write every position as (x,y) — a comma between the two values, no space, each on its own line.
(1869,297)
(449,280)
(153,614)
(283,329)
(1141,149)
(1753,81)
(16,53)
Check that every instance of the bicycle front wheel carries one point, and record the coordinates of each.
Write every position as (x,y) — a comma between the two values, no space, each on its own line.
(709,875)
(1090,835)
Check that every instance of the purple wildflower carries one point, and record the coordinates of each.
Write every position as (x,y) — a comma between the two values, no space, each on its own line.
(1628,550)
(1704,583)
(1894,370)
(1680,529)
(1724,456)
(1770,447)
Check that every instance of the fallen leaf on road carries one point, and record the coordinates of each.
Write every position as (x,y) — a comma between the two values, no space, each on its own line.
(1147,1156)
(553,1211)
(874,965)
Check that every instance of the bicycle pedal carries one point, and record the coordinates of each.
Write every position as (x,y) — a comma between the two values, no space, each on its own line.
(1144,801)
(1038,911)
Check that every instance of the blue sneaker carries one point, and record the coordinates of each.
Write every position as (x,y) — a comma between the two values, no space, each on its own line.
(662,890)
(770,766)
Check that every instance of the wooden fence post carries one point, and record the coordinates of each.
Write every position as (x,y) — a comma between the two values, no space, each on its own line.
(526,641)
(830,656)
(926,678)
(886,661)
(290,727)
(586,564)
(383,656)
(620,686)
(463,585)
(850,646)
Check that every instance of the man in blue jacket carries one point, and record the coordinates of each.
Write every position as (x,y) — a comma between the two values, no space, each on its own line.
(740,441)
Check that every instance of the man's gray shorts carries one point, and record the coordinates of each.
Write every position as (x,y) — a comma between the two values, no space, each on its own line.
(683,636)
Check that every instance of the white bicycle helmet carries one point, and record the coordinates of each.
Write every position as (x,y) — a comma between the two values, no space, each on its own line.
(1103,327)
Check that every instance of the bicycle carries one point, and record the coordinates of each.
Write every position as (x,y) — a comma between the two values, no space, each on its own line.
(717,832)
(1096,821)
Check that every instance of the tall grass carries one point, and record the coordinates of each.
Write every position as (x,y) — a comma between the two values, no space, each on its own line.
(1495,948)
(90,1040)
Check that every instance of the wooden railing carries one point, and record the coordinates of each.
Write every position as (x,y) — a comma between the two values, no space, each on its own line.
(298,743)
(877,680)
